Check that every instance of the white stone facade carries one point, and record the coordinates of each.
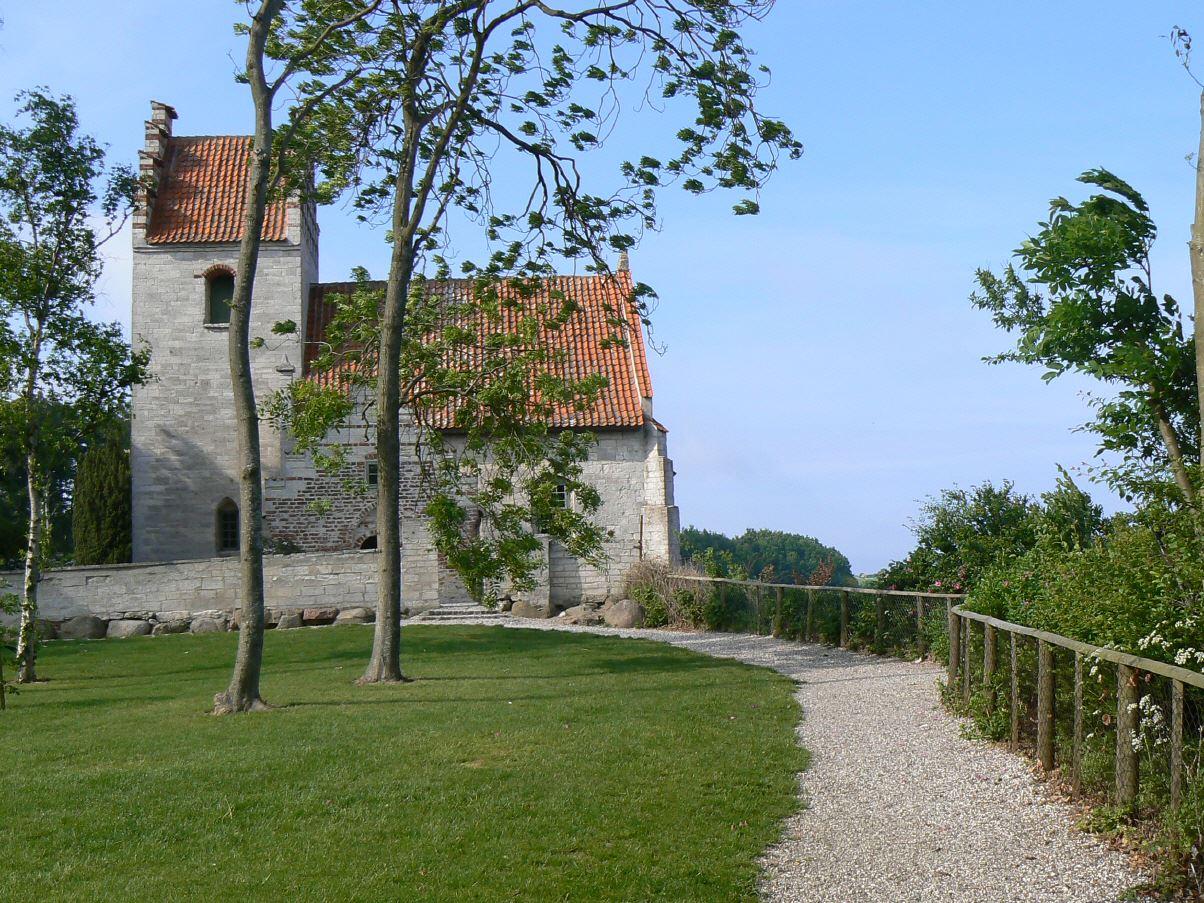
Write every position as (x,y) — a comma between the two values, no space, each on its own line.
(184,442)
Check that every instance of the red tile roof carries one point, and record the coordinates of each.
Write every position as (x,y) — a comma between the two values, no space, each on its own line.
(202,193)
(605,311)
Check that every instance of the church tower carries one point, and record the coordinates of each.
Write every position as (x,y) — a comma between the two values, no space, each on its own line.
(186,230)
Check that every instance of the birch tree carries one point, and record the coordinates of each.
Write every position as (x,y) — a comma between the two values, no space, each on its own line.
(477,117)
(59,370)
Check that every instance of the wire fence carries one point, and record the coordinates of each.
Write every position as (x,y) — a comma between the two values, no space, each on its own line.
(885,621)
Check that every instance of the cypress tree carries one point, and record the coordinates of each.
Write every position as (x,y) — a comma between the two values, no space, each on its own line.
(101,516)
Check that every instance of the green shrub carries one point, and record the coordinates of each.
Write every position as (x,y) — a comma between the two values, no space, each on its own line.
(101,513)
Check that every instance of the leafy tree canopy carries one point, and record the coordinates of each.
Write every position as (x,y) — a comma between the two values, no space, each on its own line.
(1081,298)
(766,554)
(963,533)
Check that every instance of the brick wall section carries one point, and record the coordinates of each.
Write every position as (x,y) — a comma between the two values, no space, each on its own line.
(337,580)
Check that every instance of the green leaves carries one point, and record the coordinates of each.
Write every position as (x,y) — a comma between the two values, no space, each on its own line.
(62,376)
(1080,299)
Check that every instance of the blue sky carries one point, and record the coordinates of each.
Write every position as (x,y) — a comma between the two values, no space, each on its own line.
(822,371)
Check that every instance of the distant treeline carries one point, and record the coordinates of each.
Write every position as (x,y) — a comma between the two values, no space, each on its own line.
(784,557)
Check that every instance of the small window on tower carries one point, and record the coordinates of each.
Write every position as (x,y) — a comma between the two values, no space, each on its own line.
(371,473)
(227,526)
(219,292)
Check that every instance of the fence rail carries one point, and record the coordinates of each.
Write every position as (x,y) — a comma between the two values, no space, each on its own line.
(916,626)
(888,628)
(1128,695)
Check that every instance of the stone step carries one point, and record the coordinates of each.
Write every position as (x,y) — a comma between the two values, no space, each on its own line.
(461,612)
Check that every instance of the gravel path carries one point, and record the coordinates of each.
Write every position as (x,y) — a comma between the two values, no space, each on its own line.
(899,807)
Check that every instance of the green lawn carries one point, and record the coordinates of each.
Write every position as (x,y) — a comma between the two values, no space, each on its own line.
(522,765)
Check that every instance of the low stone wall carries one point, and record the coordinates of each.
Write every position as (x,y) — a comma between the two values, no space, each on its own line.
(180,589)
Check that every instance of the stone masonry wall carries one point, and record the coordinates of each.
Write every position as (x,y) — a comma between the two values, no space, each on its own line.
(183,456)
(315,510)
(330,580)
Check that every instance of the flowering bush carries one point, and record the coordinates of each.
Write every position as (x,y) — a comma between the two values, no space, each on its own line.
(1139,588)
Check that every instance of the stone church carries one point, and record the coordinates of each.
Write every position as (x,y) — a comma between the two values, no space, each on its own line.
(185,246)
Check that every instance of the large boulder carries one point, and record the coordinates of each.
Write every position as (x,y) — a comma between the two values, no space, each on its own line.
(624,613)
(289,620)
(128,627)
(208,625)
(319,615)
(47,630)
(174,625)
(83,627)
(356,616)
(585,615)
(524,609)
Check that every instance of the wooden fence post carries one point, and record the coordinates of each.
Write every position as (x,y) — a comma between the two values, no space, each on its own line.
(1126,732)
(879,624)
(921,638)
(1045,705)
(1015,737)
(990,654)
(1176,743)
(810,616)
(967,669)
(758,607)
(955,645)
(777,615)
(844,619)
(1076,753)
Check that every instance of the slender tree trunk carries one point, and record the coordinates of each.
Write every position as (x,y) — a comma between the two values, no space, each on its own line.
(1174,452)
(1197,276)
(385,664)
(27,635)
(27,631)
(243,693)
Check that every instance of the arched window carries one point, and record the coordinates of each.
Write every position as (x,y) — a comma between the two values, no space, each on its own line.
(219,292)
(368,542)
(227,526)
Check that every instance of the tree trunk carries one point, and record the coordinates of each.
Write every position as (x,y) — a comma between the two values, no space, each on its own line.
(1174,452)
(385,664)
(27,636)
(1197,276)
(243,693)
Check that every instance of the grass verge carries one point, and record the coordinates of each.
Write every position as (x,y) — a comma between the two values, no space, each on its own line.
(521,765)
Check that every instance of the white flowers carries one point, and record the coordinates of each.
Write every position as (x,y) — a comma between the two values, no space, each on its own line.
(1152,726)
